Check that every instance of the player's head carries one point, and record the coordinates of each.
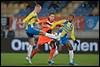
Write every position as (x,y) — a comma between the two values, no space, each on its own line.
(51,16)
(69,21)
(37,8)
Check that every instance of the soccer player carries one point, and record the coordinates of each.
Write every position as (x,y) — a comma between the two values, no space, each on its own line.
(67,27)
(46,24)
(30,21)
(44,39)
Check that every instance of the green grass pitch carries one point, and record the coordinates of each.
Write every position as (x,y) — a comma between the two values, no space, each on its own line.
(18,59)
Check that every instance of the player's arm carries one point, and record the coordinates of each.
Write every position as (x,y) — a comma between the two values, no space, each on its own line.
(57,23)
(73,36)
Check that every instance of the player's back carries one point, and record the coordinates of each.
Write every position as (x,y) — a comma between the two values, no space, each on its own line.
(31,18)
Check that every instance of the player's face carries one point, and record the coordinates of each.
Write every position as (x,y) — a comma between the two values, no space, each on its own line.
(52,17)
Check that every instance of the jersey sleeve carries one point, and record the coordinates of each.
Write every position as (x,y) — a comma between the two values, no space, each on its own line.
(57,23)
(72,34)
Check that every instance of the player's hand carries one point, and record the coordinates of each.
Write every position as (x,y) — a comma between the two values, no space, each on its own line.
(76,42)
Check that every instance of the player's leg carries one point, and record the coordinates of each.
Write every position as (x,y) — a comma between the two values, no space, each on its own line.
(65,41)
(49,35)
(53,52)
(71,54)
(39,44)
(40,32)
(35,51)
(31,41)
(56,51)
(37,32)
(29,49)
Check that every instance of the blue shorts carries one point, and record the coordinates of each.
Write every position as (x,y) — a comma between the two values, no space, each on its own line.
(64,40)
(32,31)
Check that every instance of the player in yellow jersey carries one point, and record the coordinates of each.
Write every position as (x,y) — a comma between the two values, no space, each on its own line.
(30,21)
(66,28)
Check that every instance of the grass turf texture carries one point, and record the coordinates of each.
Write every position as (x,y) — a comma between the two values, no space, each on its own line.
(40,59)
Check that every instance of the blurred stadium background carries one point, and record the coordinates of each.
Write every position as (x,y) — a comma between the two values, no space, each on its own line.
(84,15)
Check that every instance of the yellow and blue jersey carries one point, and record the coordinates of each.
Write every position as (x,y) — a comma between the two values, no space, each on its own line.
(67,27)
(30,20)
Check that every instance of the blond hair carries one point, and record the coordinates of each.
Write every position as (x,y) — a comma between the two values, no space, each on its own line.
(37,5)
